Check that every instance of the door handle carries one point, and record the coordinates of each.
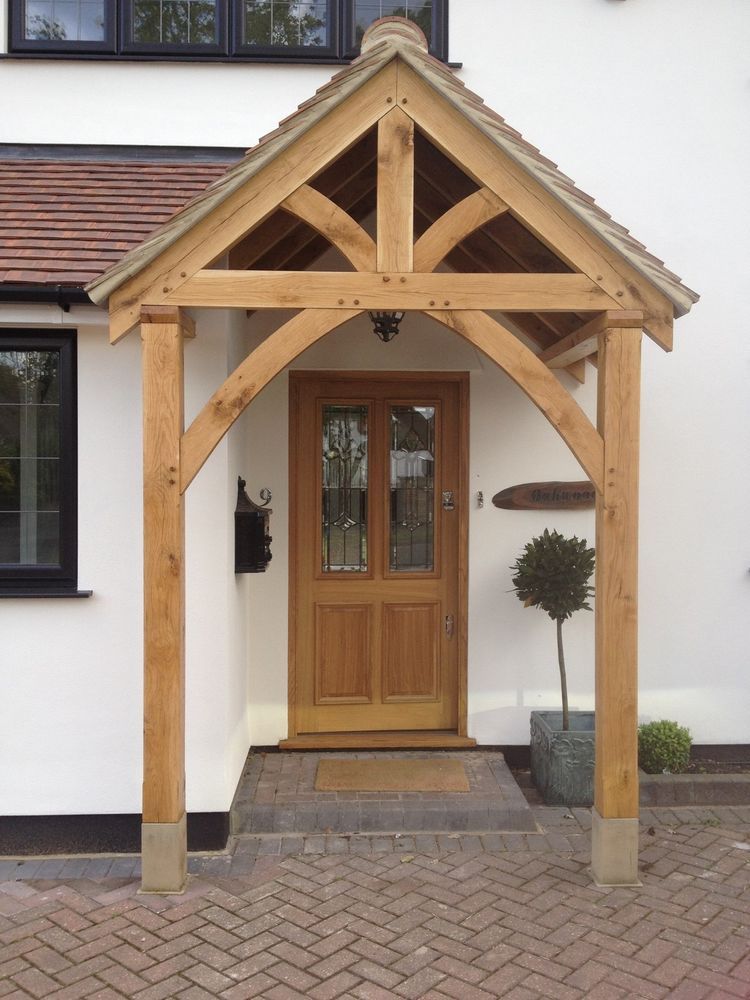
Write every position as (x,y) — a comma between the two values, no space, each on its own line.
(449,625)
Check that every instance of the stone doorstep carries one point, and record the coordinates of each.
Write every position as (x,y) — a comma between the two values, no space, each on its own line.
(694,789)
(494,804)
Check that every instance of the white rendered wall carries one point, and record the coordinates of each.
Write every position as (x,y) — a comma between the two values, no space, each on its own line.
(216,732)
(70,732)
(70,738)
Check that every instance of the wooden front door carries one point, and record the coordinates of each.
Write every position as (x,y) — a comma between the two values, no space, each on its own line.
(377,536)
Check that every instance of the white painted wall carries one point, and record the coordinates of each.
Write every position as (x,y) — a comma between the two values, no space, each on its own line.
(216,730)
(70,736)
(645,105)
(71,712)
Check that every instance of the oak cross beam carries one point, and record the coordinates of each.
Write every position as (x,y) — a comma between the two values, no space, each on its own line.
(391,290)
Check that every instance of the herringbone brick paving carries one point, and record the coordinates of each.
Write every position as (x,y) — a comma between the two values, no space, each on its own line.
(382,917)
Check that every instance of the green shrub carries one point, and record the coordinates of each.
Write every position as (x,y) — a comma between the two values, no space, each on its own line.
(663,746)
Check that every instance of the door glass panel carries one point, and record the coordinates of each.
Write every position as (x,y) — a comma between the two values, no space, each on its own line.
(344,537)
(412,508)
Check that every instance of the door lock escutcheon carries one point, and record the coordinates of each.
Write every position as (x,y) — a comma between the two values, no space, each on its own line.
(448,502)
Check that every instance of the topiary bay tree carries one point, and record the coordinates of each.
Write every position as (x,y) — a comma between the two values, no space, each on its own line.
(553,574)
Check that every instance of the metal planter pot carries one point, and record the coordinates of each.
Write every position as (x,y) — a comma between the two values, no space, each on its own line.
(562,763)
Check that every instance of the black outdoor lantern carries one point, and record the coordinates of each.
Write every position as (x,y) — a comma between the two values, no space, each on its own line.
(385,324)
(252,541)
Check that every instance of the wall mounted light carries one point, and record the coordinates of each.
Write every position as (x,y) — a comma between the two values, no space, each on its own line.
(385,324)
(252,539)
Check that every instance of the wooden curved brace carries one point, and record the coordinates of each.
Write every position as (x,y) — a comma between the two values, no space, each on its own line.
(454,226)
(534,378)
(247,380)
(334,223)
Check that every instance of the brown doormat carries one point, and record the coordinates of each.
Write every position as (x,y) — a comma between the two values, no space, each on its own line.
(373,775)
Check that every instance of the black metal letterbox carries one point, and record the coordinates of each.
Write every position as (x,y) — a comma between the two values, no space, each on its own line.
(252,540)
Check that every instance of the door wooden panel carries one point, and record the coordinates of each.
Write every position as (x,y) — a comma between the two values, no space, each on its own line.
(375,553)
(411,654)
(343,665)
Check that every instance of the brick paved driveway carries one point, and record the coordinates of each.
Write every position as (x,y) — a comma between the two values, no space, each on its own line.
(372,918)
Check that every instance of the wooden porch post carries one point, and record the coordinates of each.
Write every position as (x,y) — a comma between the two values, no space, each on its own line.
(164,834)
(615,814)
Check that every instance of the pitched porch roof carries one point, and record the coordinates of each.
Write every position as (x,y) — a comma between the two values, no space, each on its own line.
(397,39)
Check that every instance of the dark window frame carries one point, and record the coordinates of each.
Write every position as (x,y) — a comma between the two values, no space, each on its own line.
(174,49)
(118,43)
(59,46)
(283,52)
(439,44)
(63,576)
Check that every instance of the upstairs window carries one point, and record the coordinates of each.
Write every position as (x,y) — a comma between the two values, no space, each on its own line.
(62,26)
(37,461)
(260,29)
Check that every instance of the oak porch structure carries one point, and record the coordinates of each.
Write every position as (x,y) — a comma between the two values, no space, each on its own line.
(401,170)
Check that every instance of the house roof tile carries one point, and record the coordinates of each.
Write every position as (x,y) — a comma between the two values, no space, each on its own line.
(66,221)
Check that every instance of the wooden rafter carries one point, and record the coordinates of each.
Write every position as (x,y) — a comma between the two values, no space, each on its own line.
(336,225)
(546,217)
(247,380)
(365,290)
(534,378)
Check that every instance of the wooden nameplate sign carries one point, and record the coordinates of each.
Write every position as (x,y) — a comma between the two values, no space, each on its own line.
(547,496)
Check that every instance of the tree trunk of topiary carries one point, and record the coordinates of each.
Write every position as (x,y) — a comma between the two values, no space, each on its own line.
(563,678)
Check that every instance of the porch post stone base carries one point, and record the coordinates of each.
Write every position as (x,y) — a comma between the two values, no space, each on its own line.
(614,850)
(164,856)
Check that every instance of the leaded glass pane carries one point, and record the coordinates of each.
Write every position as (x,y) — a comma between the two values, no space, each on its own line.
(174,22)
(29,457)
(69,20)
(285,23)
(412,430)
(367,11)
(344,536)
